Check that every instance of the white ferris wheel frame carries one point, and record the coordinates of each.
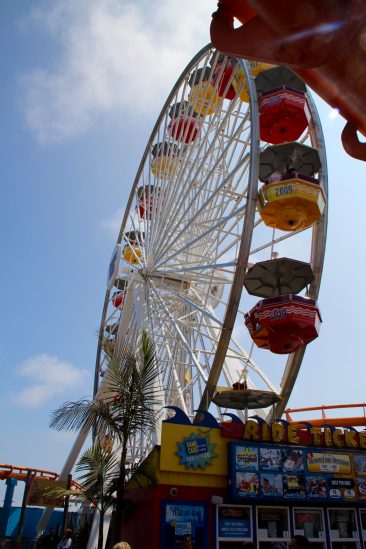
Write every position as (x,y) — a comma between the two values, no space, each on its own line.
(156,281)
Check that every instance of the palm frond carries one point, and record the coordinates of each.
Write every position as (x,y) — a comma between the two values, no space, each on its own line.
(99,470)
(144,472)
(71,416)
(128,403)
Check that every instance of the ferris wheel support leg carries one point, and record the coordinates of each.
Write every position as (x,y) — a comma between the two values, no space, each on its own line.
(142,321)
(94,532)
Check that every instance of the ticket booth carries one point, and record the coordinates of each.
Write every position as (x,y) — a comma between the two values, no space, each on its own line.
(343,530)
(233,526)
(273,527)
(222,485)
(363,525)
(309,522)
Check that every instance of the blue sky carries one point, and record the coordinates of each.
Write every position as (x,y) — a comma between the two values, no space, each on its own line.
(81,86)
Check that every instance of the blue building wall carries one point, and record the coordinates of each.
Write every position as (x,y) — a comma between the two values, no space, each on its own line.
(32,516)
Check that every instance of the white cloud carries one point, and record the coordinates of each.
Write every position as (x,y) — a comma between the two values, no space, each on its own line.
(114,55)
(49,378)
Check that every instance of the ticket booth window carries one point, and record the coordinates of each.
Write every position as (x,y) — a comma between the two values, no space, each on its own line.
(233,526)
(273,527)
(343,529)
(310,523)
(363,525)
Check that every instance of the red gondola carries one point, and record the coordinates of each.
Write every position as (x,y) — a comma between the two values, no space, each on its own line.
(147,196)
(283,324)
(226,75)
(118,299)
(284,115)
(183,126)
(184,129)
(322,42)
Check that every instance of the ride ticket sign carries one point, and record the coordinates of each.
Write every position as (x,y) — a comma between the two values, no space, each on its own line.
(328,463)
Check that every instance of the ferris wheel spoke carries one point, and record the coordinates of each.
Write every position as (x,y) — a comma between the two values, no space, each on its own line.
(272,242)
(223,212)
(202,236)
(220,235)
(198,194)
(192,304)
(236,351)
(199,164)
(202,209)
(178,331)
(205,208)
(199,277)
(169,353)
(198,268)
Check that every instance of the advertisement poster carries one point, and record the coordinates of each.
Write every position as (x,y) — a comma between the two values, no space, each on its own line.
(271,485)
(316,487)
(182,520)
(234,522)
(360,464)
(328,463)
(294,486)
(196,451)
(296,473)
(343,489)
(246,458)
(270,459)
(361,487)
(293,460)
(247,484)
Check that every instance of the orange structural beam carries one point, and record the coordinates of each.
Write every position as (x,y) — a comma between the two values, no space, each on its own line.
(323,42)
(348,421)
(20,473)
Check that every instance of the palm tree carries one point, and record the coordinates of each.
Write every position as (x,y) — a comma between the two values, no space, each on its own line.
(98,467)
(127,404)
(99,472)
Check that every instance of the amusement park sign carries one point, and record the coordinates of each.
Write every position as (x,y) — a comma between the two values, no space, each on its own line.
(301,433)
(196,451)
(38,493)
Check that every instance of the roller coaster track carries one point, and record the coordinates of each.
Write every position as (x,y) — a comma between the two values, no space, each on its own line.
(355,421)
(20,473)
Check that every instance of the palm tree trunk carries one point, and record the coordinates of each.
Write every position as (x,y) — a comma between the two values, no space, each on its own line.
(119,512)
(101,529)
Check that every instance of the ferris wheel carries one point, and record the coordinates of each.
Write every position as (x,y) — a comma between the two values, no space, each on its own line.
(226,184)
(192,227)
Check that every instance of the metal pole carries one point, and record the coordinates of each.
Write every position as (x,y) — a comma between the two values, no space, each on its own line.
(66,506)
(18,539)
(4,517)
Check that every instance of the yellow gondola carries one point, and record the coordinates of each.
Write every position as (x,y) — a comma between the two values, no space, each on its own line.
(239,77)
(164,160)
(132,251)
(203,97)
(291,204)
